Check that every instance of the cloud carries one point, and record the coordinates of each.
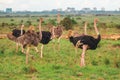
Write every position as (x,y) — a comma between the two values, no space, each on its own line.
(39,5)
(6,1)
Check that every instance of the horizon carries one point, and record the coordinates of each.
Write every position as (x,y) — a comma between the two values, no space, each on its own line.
(25,5)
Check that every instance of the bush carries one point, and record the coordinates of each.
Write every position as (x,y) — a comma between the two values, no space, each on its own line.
(37,20)
(68,23)
(94,63)
(12,24)
(118,26)
(28,23)
(12,20)
(52,21)
(4,24)
(78,18)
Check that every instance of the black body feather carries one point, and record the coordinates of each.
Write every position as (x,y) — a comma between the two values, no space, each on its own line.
(46,37)
(17,32)
(86,40)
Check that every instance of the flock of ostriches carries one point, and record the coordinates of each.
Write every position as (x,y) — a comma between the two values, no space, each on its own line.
(28,38)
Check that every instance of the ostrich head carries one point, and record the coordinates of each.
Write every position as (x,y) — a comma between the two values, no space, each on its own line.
(31,28)
(96,20)
(70,34)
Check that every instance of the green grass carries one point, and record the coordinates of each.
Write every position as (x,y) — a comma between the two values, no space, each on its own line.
(101,64)
(110,26)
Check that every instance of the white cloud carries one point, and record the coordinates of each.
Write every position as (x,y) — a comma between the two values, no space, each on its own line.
(54,4)
(6,1)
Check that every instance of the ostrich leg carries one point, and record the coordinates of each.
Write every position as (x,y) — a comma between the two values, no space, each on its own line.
(59,42)
(27,54)
(41,55)
(17,47)
(83,55)
(36,49)
(76,47)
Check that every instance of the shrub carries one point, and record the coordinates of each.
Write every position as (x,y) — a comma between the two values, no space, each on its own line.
(94,62)
(12,20)
(28,23)
(37,20)
(12,24)
(68,23)
(78,18)
(4,24)
(52,21)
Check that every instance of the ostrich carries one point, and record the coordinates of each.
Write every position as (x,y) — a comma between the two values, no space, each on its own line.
(57,31)
(15,34)
(85,41)
(29,38)
(45,37)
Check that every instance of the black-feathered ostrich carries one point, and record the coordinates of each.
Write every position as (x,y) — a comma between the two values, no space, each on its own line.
(57,31)
(85,41)
(48,36)
(45,38)
(15,34)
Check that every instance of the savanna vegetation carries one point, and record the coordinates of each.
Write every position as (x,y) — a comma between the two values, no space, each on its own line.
(64,64)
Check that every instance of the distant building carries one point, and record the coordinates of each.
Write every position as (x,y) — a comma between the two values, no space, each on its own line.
(94,9)
(86,10)
(8,10)
(69,9)
(119,9)
(59,9)
(54,10)
(1,11)
(102,9)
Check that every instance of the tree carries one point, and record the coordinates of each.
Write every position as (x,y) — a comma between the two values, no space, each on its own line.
(68,23)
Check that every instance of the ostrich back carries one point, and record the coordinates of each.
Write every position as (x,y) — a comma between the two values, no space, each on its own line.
(86,40)
(57,31)
(17,32)
(46,37)
(11,37)
(29,38)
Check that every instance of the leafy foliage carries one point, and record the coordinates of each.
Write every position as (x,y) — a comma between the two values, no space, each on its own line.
(68,23)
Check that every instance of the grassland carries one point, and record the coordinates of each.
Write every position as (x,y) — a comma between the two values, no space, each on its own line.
(101,64)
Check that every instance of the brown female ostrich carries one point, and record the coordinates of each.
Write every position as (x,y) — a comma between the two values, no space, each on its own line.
(15,34)
(85,41)
(29,38)
(57,31)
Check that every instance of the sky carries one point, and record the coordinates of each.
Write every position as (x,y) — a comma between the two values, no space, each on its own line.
(40,5)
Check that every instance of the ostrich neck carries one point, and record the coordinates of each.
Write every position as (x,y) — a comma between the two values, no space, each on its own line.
(40,30)
(98,38)
(21,31)
(96,30)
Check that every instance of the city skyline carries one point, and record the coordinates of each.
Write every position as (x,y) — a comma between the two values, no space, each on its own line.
(37,5)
